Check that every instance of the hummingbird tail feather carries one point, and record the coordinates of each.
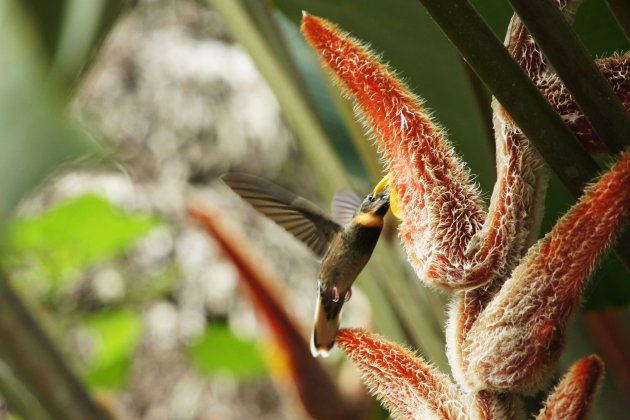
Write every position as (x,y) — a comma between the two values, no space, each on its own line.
(324,331)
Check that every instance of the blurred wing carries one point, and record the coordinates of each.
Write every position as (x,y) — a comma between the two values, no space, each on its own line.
(344,206)
(295,214)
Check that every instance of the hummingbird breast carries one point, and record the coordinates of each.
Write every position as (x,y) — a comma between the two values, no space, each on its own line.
(348,254)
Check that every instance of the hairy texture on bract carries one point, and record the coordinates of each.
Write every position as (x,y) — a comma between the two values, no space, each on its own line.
(616,70)
(449,239)
(517,339)
(527,54)
(573,397)
(408,386)
(489,405)
(516,207)
(463,310)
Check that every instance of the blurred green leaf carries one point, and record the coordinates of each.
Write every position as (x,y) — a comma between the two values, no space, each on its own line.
(48,18)
(598,29)
(71,31)
(219,350)
(36,137)
(116,335)
(70,237)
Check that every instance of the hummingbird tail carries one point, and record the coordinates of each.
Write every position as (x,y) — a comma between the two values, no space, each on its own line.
(324,331)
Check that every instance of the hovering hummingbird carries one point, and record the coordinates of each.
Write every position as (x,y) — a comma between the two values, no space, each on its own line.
(345,242)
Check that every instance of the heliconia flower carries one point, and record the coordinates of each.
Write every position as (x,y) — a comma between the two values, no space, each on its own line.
(407,385)
(510,305)
(517,339)
(451,239)
(572,398)
(319,394)
(466,306)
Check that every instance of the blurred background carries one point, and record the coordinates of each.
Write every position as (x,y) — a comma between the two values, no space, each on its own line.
(116,114)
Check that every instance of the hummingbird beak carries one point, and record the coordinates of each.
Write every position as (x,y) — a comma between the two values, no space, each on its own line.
(324,330)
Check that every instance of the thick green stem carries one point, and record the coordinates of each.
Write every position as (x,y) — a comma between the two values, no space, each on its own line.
(487,56)
(570,59)
(38,364)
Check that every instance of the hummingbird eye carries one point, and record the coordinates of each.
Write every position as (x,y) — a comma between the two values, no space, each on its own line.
(370,197)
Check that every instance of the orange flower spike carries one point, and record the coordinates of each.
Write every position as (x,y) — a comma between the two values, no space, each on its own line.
(441,204)
(517,339)
(407,385)
(573,396)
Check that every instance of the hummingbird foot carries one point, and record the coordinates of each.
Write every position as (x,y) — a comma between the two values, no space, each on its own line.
(335,292)
(336,295)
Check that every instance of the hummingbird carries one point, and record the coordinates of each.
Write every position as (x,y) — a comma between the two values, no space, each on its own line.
(344,242)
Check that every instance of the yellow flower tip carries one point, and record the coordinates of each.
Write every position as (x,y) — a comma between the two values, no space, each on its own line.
(394,205)
(394,202)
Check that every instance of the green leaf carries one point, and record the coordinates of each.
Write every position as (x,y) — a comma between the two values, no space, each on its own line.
(36,136)
(71,31)
(116,334)
(219,350)
(59,244)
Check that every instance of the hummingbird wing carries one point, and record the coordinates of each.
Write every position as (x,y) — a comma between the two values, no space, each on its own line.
(295,214)
(344,206)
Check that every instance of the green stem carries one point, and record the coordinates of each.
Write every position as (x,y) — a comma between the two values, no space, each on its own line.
(19,400)
(482,100)
(570,59)
(621,11)
(38,364)
(485,54)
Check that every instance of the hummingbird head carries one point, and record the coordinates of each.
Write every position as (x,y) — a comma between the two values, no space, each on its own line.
(376,203)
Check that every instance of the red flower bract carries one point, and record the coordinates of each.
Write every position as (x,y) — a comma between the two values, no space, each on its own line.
(408,386)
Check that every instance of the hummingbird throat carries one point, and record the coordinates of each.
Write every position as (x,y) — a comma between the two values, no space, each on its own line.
(369,220)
